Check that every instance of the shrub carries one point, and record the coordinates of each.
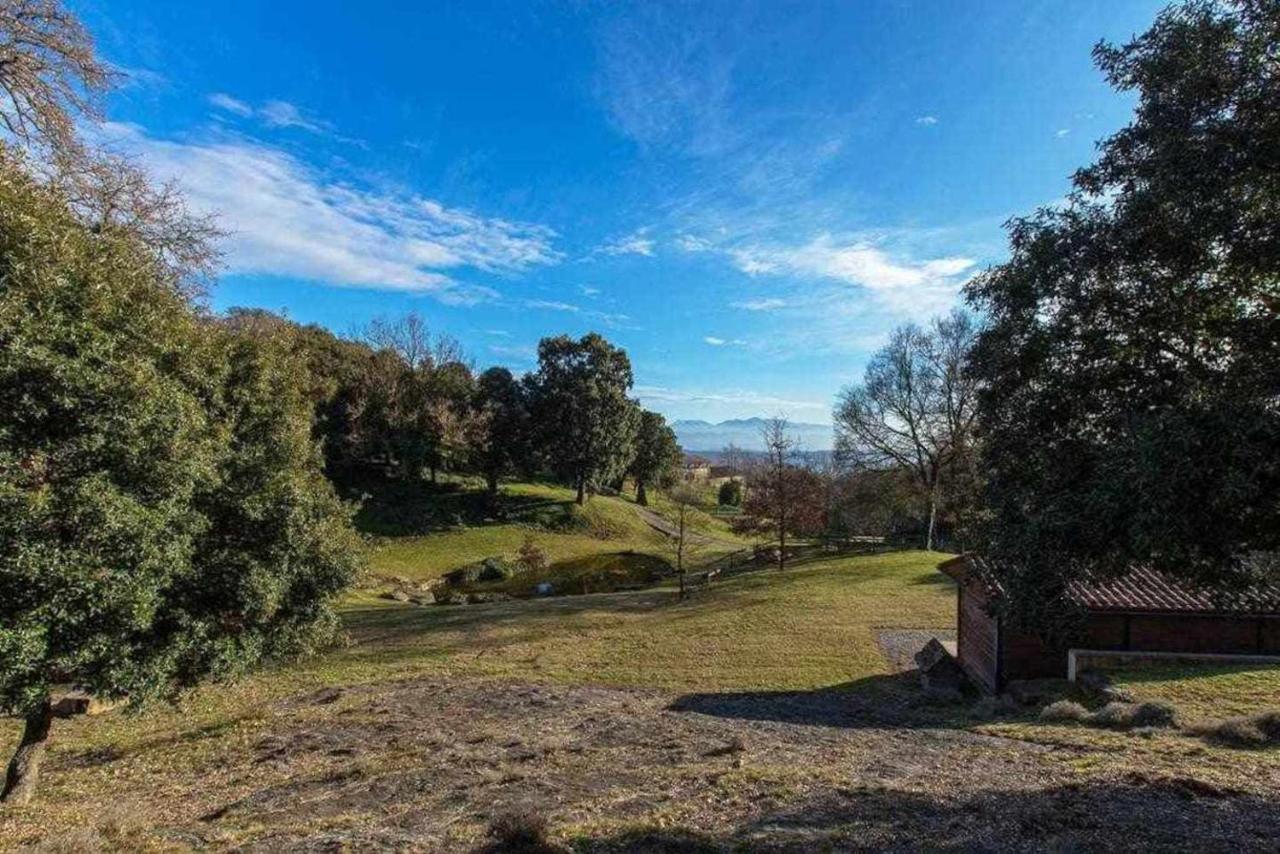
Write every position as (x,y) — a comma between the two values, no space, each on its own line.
(1064,710)
(520,830)
(1130,715)
(1251,731)
(531,557)
(496,569)
(731,493)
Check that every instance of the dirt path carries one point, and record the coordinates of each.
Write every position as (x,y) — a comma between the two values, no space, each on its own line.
(663,525)
(424,765)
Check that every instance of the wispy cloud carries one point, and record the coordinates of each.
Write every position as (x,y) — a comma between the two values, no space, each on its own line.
(753,401)
(288,219)
(272,114)
(906,285)
(714,341)
(759,304)
(230,104)
(282,114)
(927,121)
(613,320)
(1062,132)
(636,243)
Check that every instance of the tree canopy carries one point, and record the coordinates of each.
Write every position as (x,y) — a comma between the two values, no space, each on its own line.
(1130,370)
(163,516)
(588,422)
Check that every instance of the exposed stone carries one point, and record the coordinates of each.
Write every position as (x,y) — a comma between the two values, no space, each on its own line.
(941,675)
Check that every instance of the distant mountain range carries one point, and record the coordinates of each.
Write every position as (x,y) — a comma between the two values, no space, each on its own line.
(703,437)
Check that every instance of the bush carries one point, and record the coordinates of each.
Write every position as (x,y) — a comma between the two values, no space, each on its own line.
(1064,710)
(522,830)
(731,493)
(531,558)
(1130,715)
(1252,731)
(497,569)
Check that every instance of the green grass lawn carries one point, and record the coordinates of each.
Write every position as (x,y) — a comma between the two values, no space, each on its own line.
(565,531)
(1205,691)
(799,629)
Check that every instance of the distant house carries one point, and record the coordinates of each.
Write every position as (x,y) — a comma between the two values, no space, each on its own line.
(697,468)
(1145,611)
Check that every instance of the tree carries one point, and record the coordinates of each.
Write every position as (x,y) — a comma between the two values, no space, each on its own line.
(915,408)
(163,519)
(50,75)
(502,434)
(657,453)
(730,494)
(415,405)
(1130,371)
(588,423)
(685,498)
(782,498)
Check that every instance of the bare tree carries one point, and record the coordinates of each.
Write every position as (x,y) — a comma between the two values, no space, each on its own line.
(50,79)
(783,498)
(50,74)
(915,408)
(685,497)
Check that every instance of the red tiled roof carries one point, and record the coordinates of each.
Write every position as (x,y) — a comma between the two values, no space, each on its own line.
(1149,590)
(1143,590)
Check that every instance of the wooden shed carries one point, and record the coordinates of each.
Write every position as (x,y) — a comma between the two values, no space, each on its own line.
(1145,611)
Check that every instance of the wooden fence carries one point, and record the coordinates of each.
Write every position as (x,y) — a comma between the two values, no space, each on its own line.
(766,555)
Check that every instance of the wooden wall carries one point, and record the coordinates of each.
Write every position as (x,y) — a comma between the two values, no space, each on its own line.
(977,636)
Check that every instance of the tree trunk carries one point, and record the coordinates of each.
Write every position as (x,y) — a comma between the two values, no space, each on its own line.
(491,484)
(782,547)
(933,517)
(582,490)
(24,768)
(433,474)
(642,497)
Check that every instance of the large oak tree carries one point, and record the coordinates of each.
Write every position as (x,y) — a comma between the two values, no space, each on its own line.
(1130,409)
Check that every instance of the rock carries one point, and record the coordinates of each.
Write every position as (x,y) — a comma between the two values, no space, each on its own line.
(941,676)
(496,569)
(468,574)
(424,598)
(396,596)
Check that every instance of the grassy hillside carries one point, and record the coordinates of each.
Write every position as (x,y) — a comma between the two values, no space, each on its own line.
(561,528)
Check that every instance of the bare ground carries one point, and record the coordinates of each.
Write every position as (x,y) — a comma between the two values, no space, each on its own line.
(423,765)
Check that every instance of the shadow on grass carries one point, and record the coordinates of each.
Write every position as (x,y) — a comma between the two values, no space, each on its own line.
(1136,813)
(890,700)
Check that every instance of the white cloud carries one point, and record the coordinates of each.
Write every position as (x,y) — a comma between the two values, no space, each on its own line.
(714,341)
(906,286)
(759,304)
(588,291)
(927,120)
(286,219)
(1062,132)
(498,333)
(282,114)
(223,101)
(753,400)
(689,243)
(616,321)
(636,243)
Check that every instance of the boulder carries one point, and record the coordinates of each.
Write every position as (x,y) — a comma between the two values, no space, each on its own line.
(468,574)
(940,673)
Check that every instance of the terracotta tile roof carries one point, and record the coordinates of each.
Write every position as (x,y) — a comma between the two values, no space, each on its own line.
(1142,590)
(1148,590)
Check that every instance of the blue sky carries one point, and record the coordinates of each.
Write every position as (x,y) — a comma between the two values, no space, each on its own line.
(747,196)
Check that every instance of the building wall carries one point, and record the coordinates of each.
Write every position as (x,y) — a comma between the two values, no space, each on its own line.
(1027,657)
(976,636)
